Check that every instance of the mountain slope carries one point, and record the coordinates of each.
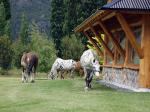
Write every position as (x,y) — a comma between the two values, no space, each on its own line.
(35,10)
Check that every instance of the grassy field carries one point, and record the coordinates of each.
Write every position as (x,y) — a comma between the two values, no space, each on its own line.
(67,96)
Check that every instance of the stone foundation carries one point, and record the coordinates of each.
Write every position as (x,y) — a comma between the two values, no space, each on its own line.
(122,77)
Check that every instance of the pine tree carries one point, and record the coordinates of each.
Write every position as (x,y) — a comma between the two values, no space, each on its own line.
(86,8)
(70,19)
(7,8)
(5,52)
(7,30)
(2,19)
(57,23)
(76,11)
(24,31)
(43,47)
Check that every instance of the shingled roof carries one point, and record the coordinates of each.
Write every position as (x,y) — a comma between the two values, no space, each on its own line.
(131,5)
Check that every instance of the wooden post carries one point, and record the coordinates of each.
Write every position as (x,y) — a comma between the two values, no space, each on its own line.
(105,53)
(98,50)
(127,53)
(145,62)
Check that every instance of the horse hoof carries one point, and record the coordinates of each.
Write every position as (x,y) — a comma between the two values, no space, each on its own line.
(90,86)
(86,89)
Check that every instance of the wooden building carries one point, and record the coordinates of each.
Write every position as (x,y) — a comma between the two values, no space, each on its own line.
(126,45)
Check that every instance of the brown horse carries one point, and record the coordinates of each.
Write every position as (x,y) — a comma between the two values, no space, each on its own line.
(29,62)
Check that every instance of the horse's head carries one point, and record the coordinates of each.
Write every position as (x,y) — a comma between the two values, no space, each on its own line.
(96,66)
(52,74)
(74,63)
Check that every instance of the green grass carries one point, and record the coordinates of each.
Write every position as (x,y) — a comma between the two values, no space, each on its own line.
(67,96)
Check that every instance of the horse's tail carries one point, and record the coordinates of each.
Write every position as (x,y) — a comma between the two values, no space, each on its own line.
(32,64)
(29,68)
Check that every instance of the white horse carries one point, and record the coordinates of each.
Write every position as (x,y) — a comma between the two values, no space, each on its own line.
(89,62)
(61,65)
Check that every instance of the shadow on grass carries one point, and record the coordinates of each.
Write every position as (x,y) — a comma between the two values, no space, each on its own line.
(98,86)
(102,88)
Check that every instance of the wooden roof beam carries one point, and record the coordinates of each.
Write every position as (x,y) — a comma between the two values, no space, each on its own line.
(98,50)
(110,36)
(129,34)
(109,16)
(86,29)
(103,43)
(92,19)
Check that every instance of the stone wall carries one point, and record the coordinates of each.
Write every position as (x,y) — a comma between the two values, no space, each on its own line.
(121,76)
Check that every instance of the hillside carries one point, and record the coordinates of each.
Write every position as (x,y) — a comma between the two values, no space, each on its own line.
(35,10)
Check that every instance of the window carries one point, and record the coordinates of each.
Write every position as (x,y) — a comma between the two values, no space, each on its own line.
(134,58)
(122,42)
(111,47)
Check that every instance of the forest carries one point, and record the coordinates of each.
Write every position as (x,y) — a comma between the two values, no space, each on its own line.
(62,42)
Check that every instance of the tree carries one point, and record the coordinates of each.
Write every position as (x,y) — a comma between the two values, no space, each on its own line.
(72,48)
(70,19)
(24,30)
(7,8)
(57,23)
(7,30)
(5,52)
(87,7)
(84,9)
(43,47)
(2,19)
(22,43)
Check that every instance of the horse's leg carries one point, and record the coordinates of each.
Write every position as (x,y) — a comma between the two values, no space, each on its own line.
(71,73)
(86,79)
(55,74)
(28,72)
(23,75)
(86,83)
(31,68)
(52,74)
(90,79)
(85,72)
(32,78)
(62,74)
(33,75)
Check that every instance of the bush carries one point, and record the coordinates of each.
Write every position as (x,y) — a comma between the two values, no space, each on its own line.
(72,47)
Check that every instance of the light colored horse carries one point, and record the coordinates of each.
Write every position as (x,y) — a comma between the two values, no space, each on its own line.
(89,62)
(29,62)
(61,66)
